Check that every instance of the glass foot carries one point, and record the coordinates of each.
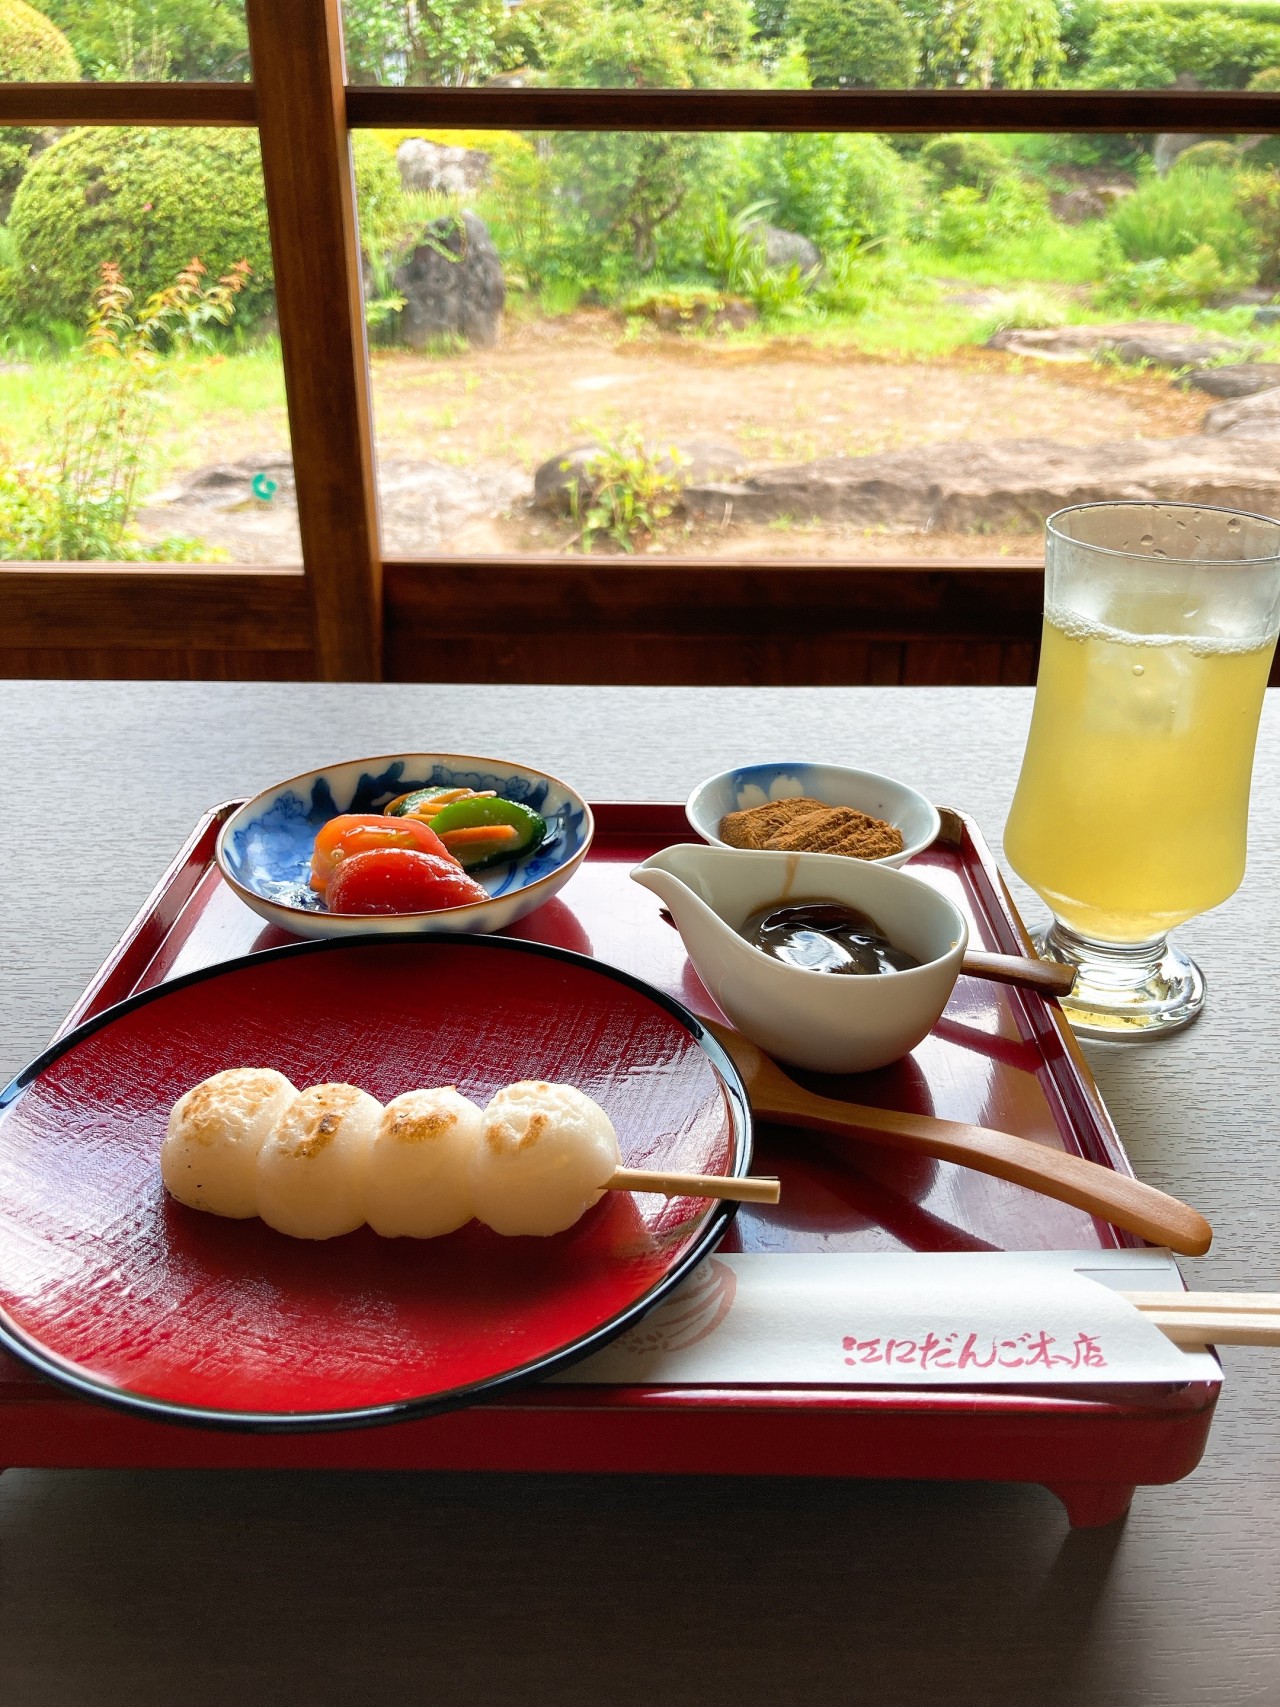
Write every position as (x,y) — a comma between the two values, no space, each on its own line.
(1124,990)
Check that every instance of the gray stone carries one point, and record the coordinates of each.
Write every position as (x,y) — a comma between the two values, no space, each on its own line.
(423,505)
(1163,343)
(707,313)
(694,462)
(1240,379)
(1268,316)
(1255,417)
(782,250)
(1003,485)
(452,285)
(441,170)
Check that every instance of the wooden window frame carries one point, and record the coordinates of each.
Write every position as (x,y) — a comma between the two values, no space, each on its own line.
(639,621)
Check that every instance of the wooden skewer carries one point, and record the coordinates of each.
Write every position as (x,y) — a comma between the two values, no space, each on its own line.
(751,1189)
(1212,1318)
(1071,1179)
(1049,977)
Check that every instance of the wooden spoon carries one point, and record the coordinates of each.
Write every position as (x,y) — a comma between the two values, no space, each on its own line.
(1086,1185)
(1049,977)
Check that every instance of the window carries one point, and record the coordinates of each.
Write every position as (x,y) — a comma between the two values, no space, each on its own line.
(651,291)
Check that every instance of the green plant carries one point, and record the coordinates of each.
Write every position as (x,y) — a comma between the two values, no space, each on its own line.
(964,221)
(734,256)
(986,43)
(147,200)
(1217,155)
(145,40)
(972,160)
(621,188)
(32,50)
(1258,199)
(76,502)
(624,491)
(1029,310)
(856,44)
(833,189)
(1148,44)
(1171,216)
(1188,281)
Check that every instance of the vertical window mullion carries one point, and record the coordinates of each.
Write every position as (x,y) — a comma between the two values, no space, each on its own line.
(296,49)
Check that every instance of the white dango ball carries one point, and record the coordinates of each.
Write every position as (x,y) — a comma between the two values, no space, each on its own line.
(544,1157)
(420,1164)
(209,1156)
(313,1169)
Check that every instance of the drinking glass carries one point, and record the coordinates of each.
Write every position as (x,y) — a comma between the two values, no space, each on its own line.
(1131,809)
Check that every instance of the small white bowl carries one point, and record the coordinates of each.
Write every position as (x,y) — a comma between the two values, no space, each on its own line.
(835,785)
(820,1020)
(264,849)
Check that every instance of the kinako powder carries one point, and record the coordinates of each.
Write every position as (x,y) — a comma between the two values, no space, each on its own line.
(802,825)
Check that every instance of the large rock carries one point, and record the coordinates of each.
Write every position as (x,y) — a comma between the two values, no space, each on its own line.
(1256,417)
(1009,484)
(441,170)
(696,462)
(781,250)
(452,284)
(1240,379)
(1162,343)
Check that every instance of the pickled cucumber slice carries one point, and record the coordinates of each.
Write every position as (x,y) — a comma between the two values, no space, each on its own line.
(469,814)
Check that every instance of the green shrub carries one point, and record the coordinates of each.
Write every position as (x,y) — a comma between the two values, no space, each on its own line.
(1217,155)
(1189,281)
(1259,202)
(972,160)
(988,43)
(1147,44)
(832,189)
(1267,81)
(149,200)
(965,222)
(855,44)
(147,40)
(32,50)
(1172,216)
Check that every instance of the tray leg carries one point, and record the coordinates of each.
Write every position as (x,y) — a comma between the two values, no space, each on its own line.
(1090,1505)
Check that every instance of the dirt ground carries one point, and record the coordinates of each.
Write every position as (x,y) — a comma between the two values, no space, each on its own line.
(552,384)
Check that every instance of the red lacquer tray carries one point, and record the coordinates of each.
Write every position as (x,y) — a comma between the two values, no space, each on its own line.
(999,1056)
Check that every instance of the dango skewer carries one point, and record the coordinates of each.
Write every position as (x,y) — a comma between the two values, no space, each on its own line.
(531,1163)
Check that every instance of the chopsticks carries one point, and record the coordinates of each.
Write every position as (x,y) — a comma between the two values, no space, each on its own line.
(1212,1318)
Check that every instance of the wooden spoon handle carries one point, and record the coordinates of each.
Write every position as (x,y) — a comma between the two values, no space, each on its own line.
(1049,977)
(1071,1179)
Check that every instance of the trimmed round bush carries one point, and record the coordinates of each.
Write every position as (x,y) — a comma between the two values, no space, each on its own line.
(1213,156)
(150,199)
(1267,81)
(32,50)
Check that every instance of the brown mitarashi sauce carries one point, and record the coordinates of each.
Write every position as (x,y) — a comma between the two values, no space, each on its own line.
(824,936)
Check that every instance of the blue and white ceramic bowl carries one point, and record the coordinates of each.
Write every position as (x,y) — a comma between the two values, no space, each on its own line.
(834,785)
(264,850)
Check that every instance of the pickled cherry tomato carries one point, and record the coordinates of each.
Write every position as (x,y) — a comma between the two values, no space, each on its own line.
(398,880)
(361,832)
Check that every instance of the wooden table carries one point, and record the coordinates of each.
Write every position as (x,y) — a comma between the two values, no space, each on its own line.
(187,1588)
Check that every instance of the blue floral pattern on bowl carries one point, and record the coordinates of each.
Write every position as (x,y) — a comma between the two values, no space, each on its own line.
(265,847)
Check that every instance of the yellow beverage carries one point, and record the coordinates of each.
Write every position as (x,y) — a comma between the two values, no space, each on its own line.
(1131,809)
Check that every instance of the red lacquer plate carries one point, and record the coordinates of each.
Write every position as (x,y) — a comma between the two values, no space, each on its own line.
(112,1288)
